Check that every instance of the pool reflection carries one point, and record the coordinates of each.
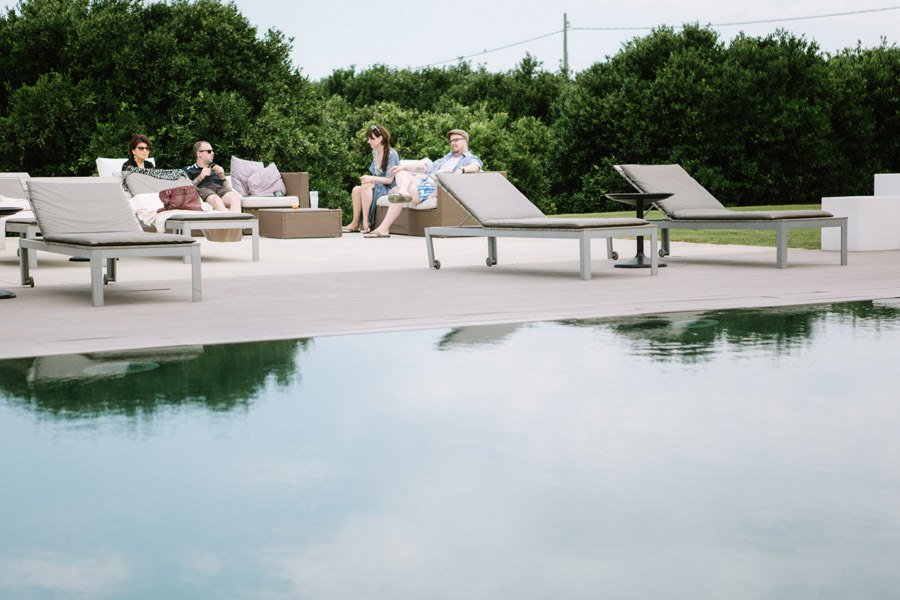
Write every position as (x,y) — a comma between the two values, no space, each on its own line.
(749,455)
(130,382)
(693,337)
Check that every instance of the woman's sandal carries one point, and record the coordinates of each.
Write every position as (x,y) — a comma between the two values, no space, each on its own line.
(365,230)
(348,230)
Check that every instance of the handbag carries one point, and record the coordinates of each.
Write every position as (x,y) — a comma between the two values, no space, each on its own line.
(183,197)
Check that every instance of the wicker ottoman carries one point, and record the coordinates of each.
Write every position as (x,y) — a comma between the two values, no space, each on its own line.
(299,222)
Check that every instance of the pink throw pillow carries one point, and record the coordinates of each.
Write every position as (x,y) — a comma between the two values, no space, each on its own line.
(267,182)
(241,171)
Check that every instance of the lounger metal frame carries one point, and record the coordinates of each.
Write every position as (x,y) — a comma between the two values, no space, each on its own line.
(781,227)
(109,254)
(26,228)
(584,237)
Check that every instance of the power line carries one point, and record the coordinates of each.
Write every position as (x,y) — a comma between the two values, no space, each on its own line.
(757,22)
(648,28)
(458,58)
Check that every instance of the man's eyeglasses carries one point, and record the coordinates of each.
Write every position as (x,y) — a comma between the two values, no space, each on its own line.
(142,148)
(459,139)
(210,150)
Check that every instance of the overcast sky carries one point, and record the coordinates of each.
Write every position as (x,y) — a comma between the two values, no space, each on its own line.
(331,34)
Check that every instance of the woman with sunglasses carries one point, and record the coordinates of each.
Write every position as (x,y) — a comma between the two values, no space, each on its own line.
(375,185)
(138,153)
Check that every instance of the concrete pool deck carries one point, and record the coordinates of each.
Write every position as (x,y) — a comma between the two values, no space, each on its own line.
(333,286)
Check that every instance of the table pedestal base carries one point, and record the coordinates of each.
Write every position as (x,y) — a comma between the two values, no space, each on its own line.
(637,262)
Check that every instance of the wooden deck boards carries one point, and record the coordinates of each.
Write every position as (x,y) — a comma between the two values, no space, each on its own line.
(307,288)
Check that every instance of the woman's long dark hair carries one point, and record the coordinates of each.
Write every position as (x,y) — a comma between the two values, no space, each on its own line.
(381,131)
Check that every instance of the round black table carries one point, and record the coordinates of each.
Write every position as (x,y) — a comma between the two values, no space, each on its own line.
(5,211)
(640,201)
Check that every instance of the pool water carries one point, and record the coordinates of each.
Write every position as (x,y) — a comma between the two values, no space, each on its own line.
(733,454)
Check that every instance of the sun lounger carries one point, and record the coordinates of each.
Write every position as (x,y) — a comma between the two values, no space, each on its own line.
(500,210)
(691,206)
(92,219)
(13,192)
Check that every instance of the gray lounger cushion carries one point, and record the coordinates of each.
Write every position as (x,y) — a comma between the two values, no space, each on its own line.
(551,223)
(688,214)
(88,205)
(690,200)
(119,238)
(496,203)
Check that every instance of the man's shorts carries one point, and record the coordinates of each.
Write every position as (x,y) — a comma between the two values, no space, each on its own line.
(426,188)
(208,190)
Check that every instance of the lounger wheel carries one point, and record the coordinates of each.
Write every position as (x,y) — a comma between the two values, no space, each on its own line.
(663,253)
(30,282)
(614,255)
(436,264)
(490,262)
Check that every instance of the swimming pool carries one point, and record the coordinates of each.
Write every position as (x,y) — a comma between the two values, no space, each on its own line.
(733,454)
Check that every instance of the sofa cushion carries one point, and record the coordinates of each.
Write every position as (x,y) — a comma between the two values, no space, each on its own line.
(266,182)
(145,201)
(241,171)
(424,205)
(257,202)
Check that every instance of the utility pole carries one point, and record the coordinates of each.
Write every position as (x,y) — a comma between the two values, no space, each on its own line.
(565,65)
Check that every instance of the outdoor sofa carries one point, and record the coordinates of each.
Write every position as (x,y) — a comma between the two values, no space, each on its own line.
(441,210)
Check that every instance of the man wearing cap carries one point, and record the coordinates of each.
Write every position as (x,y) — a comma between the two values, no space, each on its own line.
(415,184)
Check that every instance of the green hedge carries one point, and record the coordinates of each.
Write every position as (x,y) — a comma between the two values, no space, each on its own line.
(758,120)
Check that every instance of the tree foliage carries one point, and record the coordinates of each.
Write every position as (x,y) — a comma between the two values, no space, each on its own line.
(758,120)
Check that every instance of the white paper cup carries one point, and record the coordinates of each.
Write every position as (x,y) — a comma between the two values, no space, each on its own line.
(314,199)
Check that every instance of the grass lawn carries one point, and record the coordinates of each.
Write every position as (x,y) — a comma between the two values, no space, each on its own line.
(797,238)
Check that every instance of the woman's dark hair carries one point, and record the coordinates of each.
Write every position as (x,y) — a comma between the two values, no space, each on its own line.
(135,140)
(385,134)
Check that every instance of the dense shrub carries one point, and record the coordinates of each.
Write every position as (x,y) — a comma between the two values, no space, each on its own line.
(81,76)
(759,120)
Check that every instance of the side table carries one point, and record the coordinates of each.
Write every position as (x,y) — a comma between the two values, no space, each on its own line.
(639,201)
(299,222)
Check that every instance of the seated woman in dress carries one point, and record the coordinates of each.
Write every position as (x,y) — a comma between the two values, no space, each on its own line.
(375,185)
(138,153)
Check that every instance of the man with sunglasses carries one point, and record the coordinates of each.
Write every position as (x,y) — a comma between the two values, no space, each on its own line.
(415,184)
(210,179)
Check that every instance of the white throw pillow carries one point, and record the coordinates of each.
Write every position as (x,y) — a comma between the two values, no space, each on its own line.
(112,167)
